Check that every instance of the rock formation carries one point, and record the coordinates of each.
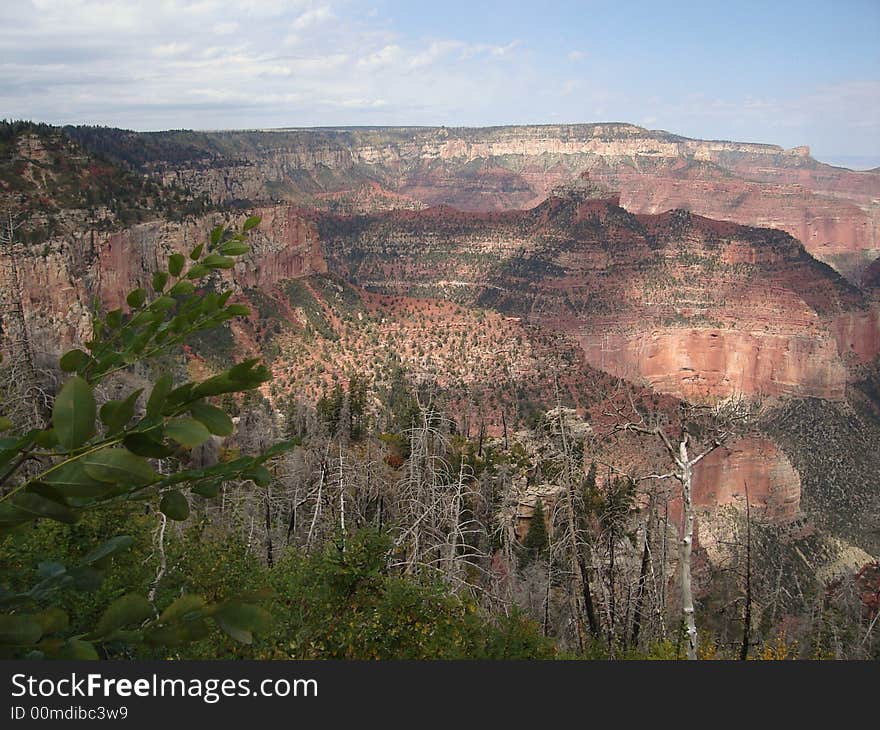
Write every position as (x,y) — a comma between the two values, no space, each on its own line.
(835,212)
(696,308)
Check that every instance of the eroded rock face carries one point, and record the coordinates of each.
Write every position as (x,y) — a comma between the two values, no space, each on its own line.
(843,232)
(525,505)
(60,279)
(701,363)
(835,212)
(857,334)
(696,308)
(755,465)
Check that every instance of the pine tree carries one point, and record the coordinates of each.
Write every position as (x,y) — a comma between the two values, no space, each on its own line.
(536,542)
(330,408)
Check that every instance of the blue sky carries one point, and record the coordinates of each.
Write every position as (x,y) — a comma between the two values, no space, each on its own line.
(788,73)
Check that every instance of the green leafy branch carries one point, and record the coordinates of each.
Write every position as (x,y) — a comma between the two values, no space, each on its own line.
(89,457)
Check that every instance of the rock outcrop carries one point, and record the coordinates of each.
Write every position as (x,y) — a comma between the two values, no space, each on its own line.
(753,466)
(693,307)
(61,278)
(835,212)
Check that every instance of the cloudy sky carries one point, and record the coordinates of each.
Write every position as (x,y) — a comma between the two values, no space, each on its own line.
(784,72)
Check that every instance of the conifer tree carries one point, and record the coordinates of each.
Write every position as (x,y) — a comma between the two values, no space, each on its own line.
(536,542)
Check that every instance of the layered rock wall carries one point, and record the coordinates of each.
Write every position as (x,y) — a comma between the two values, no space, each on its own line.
(59,280)
(833,211)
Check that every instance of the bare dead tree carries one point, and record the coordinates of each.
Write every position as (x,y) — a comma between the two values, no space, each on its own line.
(747,609)
(433,533)
(720,421)
(25,399)
(641,585)
(319,499)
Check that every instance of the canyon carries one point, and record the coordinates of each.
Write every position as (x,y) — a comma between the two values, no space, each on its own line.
(693,307)
(834,212)
(693,270)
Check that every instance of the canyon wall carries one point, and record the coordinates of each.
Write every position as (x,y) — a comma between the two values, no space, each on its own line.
(753,466)
(835,212)
(60,279)
(693,307)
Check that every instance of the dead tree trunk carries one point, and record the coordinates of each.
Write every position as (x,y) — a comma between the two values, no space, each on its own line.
(270,557)
(683,472)
(747,617)
(32,402)
(687,543)
(640,586)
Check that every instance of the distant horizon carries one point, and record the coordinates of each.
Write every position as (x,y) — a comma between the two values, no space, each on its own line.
(856,163)
(789,73)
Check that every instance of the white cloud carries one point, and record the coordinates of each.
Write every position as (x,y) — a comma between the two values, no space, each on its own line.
(262,63)
(436,51)
(383,57)
(312,17)
(226,63)
(503,50)
(167,50)
(227,28)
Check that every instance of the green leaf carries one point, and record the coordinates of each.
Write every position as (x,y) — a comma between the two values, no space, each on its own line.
(208,490)
(116,414)
(243,369)
(114,318)
(260,475)
(187,432)
(162,304)
(174,506)
(5,423)
(52,620)
(73,360)
(175,264)
(136,298)
(41,506)
(196,252)
(107,548)
(160,279)
(234,248)
(127,610)
(46,439)
(11,517)
(142,445)
(240,620)
(215,419)
(182,288)
(197,271)
(156,401)
(187,603)
(238,310)
(77,649)
(251,222)
(73,481)
(216,261)
(118,466)
(180,395)
(73,415)
(278,448)
(19,630)
(216,234)
(50,569)
(178,634)
(224,383)
(86,578)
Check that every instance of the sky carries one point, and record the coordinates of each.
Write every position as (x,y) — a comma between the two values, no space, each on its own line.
(787,73)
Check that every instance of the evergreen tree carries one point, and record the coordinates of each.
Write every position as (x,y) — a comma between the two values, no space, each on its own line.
(330,407)
(536,542)
(357,399)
